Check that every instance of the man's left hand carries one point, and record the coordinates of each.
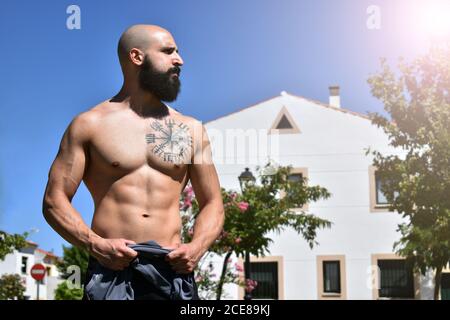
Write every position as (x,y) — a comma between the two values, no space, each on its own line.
(184,258)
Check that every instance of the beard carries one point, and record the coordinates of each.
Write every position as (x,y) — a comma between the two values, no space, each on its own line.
(164,86)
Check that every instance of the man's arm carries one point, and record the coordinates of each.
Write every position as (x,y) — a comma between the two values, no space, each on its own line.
(209,222)
(64,179)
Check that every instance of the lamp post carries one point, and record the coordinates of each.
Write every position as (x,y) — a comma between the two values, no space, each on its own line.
(246,178)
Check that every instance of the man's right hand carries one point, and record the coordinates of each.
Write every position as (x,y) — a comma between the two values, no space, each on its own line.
(113,253)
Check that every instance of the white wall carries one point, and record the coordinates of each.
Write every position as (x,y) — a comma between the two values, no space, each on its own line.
(12,265)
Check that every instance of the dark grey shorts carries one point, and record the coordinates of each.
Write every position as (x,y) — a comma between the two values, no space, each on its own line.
(142,288)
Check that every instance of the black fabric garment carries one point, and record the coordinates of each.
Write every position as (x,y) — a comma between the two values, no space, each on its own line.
(148,277)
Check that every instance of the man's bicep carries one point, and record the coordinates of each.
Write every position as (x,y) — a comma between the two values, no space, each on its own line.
(202,146)
(202,172)
(67,170)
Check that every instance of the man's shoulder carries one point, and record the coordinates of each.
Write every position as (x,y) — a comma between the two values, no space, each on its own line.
(187,120)
(84,122)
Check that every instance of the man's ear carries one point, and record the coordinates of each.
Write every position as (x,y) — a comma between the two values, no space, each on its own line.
(136,56)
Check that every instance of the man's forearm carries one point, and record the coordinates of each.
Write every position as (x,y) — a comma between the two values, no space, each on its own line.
(66,221)
(208,226)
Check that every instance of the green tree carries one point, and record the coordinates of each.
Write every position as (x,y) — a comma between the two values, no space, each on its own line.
(63,292)
(11,242)
(417,185)
(11,287)
(250,217)
(72,256)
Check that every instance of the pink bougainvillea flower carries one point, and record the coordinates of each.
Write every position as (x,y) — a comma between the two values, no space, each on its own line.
(198,278)
(250,285)
(243,206)
(187,203)
(238,267)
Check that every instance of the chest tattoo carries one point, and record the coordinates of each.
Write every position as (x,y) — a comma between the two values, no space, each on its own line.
(171,141)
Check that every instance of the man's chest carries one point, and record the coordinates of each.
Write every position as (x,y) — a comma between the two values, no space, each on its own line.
(164,145)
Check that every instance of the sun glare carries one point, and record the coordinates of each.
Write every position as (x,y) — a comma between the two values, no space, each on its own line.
(435,18)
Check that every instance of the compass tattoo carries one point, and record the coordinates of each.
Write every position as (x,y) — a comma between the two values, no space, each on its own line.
(171,141)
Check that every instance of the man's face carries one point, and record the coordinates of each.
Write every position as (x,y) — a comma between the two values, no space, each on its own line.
(160,71)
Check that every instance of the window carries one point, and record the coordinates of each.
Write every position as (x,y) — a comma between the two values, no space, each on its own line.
(268,271)
(396,279)
(284,123)
(49,272)
(331,277)
(296,175)
(23,267)
(266,274)
(445,286)
(380,197)
(378,201)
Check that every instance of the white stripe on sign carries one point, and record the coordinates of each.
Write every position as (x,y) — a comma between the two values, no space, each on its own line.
(38,271)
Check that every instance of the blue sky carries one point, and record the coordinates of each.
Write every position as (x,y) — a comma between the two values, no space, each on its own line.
(236,54)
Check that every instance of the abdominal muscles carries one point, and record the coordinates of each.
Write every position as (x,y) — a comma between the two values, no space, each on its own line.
(139,214)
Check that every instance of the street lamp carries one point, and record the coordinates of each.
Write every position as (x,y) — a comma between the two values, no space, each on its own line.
(246,178)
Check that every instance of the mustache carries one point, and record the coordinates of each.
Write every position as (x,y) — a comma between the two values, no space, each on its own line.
(176,70)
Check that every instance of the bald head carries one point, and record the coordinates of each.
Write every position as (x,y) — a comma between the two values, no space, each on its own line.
(139,36)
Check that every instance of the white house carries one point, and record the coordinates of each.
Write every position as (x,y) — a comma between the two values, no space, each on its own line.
(21,261)
(326,144)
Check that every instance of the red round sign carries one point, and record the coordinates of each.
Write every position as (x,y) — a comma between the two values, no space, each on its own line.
(38,271)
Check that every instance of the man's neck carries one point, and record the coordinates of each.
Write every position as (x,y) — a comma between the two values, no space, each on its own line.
(143,103)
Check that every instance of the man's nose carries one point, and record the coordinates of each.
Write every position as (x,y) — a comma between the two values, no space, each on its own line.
(177,60)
